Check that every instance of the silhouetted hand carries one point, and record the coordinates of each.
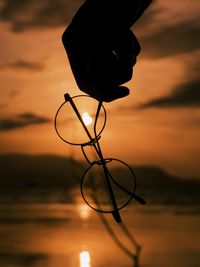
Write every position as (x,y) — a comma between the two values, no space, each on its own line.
(101,48)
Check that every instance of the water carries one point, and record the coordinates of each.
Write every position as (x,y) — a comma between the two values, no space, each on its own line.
(57,235)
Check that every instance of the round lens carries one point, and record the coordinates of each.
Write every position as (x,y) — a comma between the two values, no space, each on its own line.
(104,184)
(70,127)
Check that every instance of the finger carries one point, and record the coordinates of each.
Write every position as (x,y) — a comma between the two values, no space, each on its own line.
(116,93)
(125,52)
(142,6)
(125,44)
(129,11)
(97,70)
(110,15)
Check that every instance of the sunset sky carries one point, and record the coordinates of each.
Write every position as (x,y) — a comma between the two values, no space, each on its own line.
(157,124)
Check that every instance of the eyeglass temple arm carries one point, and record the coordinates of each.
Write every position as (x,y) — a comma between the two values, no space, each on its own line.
(115,212)
(68,98)
(132,194)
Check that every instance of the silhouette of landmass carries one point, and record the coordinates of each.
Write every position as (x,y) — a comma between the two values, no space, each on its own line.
(50,178)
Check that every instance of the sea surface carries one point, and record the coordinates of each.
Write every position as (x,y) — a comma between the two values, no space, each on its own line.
(73,235)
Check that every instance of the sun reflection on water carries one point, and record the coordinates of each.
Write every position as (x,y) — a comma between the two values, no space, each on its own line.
(84,259)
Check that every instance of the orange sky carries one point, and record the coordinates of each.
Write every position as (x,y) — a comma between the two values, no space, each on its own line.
(158,124)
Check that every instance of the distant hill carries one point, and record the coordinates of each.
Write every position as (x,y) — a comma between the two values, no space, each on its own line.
(158,186)
(38,178)
(38,170)
(53,178)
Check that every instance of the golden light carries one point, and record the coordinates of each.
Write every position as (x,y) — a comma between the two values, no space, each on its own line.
(87,119)
(84,211)
(84,259)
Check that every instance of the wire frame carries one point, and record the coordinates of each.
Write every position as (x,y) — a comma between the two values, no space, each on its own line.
(94,187)
(69,129)
(109,184)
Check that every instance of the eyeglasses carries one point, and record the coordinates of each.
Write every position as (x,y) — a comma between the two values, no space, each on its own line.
(109,184)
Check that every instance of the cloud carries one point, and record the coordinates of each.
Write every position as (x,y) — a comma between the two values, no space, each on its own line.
(144,24)
(185,95)
(180,38)
(24,65)
(23,14)
(21,120)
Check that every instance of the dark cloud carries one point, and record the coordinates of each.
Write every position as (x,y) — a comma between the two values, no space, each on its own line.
(143,25)
(194,67)
(172,40)
(23,14)
(168,40)
(24,65)
(185,95)
(21,120)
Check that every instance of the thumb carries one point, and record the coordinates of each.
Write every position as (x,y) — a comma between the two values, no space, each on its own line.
(115,93)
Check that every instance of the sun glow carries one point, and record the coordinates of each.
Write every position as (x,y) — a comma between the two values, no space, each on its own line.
(87,119)
(84,211)
(84,259)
